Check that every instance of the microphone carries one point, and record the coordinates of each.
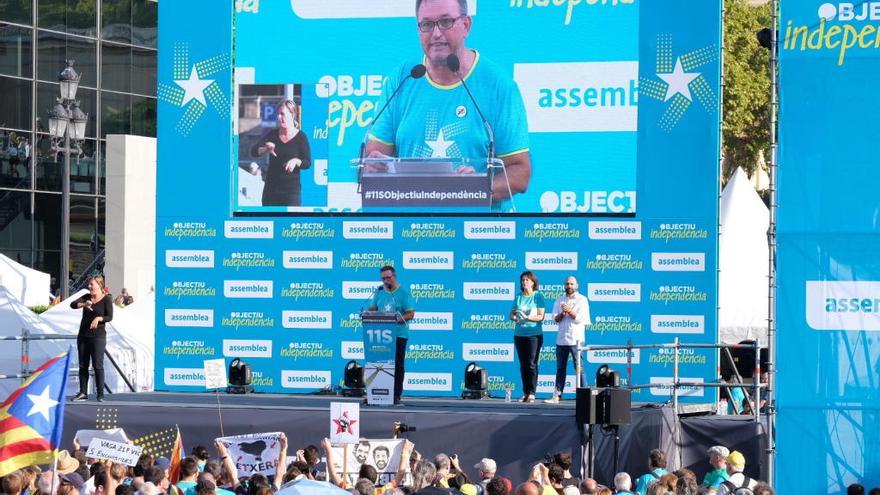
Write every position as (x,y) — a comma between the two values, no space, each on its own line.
(454,64)
(417,72)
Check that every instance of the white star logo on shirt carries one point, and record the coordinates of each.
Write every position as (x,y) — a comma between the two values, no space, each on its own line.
(439,146)
(194,88)
(42,404)
(678,81)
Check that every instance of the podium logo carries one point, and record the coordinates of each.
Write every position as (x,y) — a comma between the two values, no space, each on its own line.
(185,377)
(614,292)
(490,230)
(613,356)
(305,379)
(693,324)
(189,259)
(301,260)
(307,319)
(431,321)
(663,386)
(247,348)
(359,289)
(428,260)
(678,262)
(189,318)
(547,384)
(248,230)
(845,305)
(580,96)
(351,349)
(440,382)
(358,9)
(244,289)
(615,231)
(552,261)
(368,230)
(489,291)
(487,352)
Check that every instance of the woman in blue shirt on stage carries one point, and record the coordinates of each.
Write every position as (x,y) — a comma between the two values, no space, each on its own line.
(528,334)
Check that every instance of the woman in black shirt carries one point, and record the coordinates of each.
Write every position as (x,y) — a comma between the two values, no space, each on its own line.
(289,152)
(91,340)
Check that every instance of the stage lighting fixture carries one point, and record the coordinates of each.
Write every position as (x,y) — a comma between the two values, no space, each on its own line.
(353,383)
(476,382)
(240,378)
(607,377)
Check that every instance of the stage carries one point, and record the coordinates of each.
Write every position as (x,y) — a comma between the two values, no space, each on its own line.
(516,435)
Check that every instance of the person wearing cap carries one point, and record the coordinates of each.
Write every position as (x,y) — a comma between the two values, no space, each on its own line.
(736,463)
(485,470)
(70,484)
(718,475)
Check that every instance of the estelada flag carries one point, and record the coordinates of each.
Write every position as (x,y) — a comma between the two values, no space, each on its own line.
(177,455)
(32,416)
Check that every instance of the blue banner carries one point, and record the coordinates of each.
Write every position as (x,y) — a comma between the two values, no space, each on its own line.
(285,293)
(829,276)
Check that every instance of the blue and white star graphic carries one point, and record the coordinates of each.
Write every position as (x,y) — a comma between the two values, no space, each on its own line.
(678,82)
(193,89)
(42,404)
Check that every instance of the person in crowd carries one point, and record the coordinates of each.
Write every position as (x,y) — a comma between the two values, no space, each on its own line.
(589,486)
(605,491)
(656,469)
(563,459)
(718,475)
(685,473)
(393,298)
(736,464)
(12,483)
(764,489)
(686,486)
(289,153)
(528,488)
(443,465)
(668,481)
(364,487)
(148,488)
(658,488)
(29,476)
(571,311)
(91,340)
(189,472)
(200,454)
(622,484)
(70,484)
(855,489)
(486,470)
(124,299)
(497,486)
(528,335)
(124,490)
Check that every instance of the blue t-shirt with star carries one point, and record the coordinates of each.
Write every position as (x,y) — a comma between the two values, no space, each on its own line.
(428,120)
(398,301)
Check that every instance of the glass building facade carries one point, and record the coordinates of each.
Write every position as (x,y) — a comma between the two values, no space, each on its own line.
(113,44)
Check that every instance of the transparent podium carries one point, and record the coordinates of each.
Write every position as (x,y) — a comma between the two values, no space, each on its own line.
(379,330)
(427,182)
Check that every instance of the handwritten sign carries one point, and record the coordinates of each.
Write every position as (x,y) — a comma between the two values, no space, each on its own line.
(122,453)
(215,373)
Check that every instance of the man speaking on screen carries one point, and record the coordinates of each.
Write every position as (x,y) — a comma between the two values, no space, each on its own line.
(434,117)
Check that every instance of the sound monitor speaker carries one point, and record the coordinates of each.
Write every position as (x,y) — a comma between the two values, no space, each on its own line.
(586,406)
(614,406)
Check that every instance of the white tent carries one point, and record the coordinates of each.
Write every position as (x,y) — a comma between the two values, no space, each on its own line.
(130,339)
(29,286)
(742,262)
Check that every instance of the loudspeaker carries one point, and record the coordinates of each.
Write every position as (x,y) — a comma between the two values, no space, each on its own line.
(614,406)
(240,378)
(586,411)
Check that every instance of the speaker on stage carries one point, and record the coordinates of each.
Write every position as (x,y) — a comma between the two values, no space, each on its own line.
(586,406)
(614,406)
(240,378)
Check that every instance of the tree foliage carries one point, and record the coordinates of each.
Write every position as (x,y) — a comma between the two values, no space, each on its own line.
(746,87)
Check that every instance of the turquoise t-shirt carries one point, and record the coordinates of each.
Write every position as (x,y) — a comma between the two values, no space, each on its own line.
(526,304)
(398,301)
(428,120)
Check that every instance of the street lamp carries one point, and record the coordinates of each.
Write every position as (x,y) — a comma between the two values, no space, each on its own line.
(67,129)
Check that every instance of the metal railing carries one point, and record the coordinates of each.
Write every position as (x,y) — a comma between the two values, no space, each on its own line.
(676,384)
(26,337)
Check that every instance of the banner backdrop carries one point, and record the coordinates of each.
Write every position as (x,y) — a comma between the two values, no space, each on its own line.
(283,293)
(829,273)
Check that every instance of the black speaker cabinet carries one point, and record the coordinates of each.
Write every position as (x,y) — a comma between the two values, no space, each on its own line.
(614,406)
(586,406)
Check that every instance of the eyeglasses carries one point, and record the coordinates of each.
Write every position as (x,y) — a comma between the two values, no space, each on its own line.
(444,23)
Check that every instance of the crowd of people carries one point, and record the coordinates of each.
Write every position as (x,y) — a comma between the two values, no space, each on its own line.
(203,474)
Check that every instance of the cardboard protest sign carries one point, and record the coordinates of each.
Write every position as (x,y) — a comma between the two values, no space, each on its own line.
(254,453)
(384,455)
(122,453)
(345,422)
